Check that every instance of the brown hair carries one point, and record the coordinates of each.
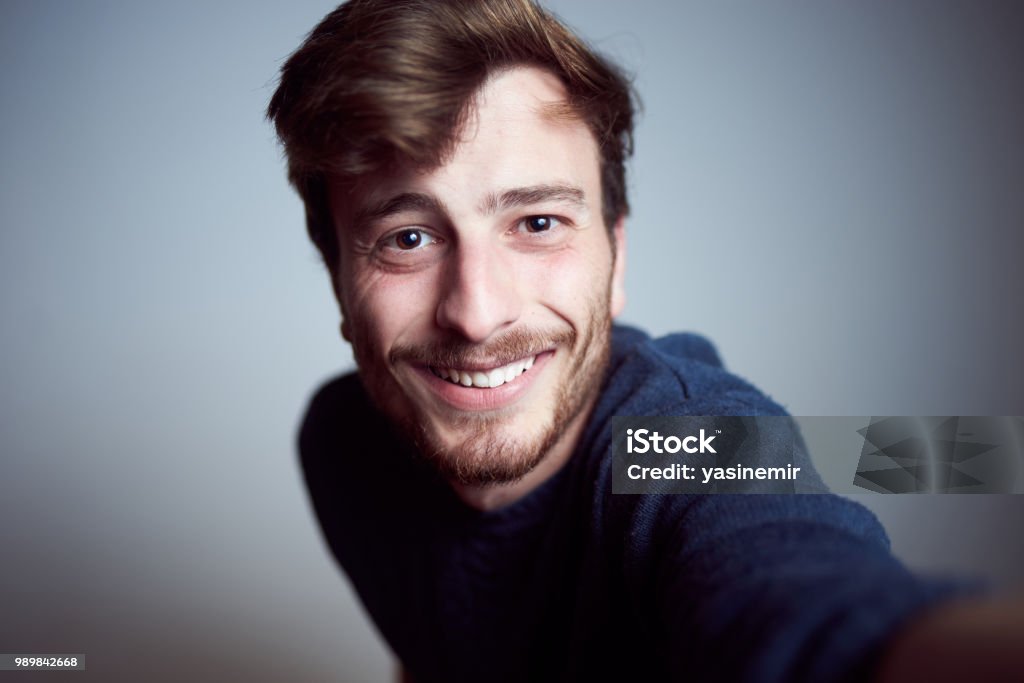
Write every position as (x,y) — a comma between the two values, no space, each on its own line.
(379,83)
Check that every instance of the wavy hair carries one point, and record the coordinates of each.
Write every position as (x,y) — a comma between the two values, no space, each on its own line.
(380,84)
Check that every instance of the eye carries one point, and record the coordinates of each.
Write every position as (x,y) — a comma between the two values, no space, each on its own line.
(409,239)
(539,223)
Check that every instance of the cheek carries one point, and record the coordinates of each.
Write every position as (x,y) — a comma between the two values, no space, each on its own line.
(382,310)
(571,280)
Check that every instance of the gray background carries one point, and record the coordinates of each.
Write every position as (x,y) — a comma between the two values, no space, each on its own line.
(831,191)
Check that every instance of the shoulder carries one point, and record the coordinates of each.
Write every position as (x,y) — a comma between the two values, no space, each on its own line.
(336,397)
(675,375)
(330,432)
(338,420)
(680,374)
(346,446)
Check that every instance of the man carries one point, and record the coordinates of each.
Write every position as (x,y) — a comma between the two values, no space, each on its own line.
(462,167)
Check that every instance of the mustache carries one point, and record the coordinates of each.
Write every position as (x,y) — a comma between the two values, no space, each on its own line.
(456,352)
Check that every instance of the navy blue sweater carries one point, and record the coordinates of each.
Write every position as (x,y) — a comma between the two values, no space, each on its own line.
(573,582)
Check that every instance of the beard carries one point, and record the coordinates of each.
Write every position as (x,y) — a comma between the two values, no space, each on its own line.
(483,448)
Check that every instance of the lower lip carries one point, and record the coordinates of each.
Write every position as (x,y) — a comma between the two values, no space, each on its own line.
(479,399)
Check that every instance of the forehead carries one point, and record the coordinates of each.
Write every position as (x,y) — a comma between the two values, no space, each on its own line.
(519,132)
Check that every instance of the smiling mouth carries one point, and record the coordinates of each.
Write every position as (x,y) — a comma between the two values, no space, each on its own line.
(484,379)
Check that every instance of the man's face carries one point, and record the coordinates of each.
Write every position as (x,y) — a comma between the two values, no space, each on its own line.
(478,296)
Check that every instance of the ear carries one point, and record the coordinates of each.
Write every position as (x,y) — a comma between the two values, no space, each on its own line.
(618,286)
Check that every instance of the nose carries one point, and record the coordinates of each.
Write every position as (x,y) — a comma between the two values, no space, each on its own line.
(481,293)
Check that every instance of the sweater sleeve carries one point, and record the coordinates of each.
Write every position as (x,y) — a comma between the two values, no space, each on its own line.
(775,587)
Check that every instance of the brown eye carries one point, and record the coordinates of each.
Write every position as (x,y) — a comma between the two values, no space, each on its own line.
(409,239)
(538,223)
(408,247)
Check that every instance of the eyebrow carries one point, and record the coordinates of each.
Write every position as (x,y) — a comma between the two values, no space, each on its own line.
(534,194)
(406,201)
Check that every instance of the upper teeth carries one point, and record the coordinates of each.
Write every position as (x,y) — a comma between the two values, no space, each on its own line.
(485,380)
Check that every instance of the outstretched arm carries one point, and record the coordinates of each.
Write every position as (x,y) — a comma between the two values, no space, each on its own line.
(785,588)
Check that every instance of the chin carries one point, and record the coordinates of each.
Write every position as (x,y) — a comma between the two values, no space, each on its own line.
(487,453)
